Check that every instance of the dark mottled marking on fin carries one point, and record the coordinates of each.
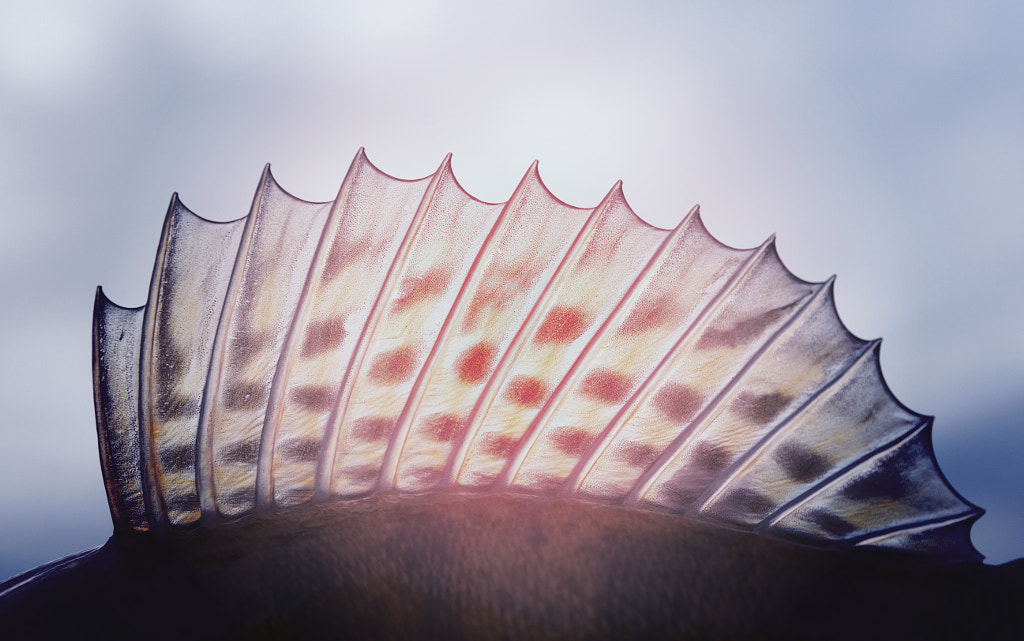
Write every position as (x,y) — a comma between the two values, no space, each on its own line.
(710,458)
(572,440)
(831,523)
(173,363)
(637,454)
(178,458)
(241,452)
(801,463)
(749,501)
(363,474)
(446,427)
(295,495)
(246,344)
(743,331)
(690,481)
(678,402)
(305,448)
(313,398)
(182,503)
(237,497)
(563,324)
(680,492)
(527,391)
(606,386)
(761,408)
(373,428)
(323,335)
(885,483)
(246,396)
(474,364)
(869,415)
(394,366)
(171,406)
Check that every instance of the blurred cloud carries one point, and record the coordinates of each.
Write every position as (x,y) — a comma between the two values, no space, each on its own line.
(881,141)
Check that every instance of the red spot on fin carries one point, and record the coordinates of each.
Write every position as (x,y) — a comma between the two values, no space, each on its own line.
(394,366)
(562,325)
(572,440)
(446,427)
(419,288)
(474,364)
(527,391)
(606,386)
(501,446)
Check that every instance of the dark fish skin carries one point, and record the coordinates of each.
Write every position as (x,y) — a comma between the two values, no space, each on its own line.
(482,566)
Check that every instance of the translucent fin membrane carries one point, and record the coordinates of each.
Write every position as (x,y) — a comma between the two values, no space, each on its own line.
(407,337)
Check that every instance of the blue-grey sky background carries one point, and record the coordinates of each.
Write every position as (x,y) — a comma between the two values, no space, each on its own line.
(882,141)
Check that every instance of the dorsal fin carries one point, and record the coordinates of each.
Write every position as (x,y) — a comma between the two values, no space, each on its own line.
(407,337)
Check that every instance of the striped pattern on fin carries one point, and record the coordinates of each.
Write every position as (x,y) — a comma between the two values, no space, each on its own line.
(275,250)
(407,337)
(190,278)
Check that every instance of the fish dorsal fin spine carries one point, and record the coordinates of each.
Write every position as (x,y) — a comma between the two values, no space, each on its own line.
(117,333)
(406,337)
